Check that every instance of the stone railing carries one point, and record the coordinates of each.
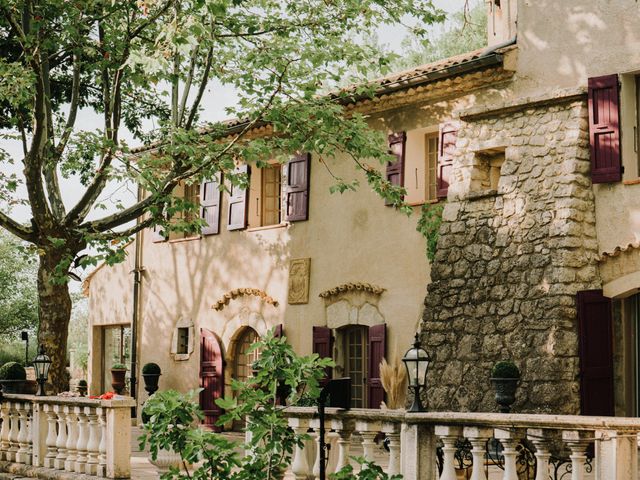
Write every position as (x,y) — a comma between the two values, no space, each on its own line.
(475,446)
(79,435)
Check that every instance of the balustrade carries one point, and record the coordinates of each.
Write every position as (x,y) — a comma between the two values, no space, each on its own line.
(74,435)
(473,446)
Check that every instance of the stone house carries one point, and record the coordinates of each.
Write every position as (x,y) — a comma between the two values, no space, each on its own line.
(530,145)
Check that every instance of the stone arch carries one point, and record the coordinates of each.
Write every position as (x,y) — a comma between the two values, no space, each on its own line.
(233,328)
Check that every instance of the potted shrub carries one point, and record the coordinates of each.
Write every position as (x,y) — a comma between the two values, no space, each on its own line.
(151,373)
(12,377)
(82,387)
(505,376)
(118,373)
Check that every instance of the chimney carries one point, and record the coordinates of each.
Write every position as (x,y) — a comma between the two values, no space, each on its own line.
(501,24)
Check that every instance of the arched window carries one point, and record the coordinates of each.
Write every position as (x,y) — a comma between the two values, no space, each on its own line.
(243,358)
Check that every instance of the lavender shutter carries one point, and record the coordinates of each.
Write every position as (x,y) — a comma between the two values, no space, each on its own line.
(210,202)
(604,129)
(447,146)
(297,188)
(595,329)
(322,343)
(238,199)
(377,347)
(395,169)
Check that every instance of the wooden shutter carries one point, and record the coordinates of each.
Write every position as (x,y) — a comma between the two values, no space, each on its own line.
(297,189)
(595,328)
(210,202)
(377,347)
(446,150)
(238,200)
(211,377)
(322,343)
(395,169)
(604,129)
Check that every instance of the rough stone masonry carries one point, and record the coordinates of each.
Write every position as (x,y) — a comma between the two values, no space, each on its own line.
(510,260)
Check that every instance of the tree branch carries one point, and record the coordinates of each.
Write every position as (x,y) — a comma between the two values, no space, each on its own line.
(187,85)
(203,85)
(111,235)
(22,231)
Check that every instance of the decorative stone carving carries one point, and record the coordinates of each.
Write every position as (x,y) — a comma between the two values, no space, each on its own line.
(239,292)
(350,287)
(299,269)
(343,313)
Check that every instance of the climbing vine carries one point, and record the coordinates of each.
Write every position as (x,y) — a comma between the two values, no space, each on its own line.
(429,226)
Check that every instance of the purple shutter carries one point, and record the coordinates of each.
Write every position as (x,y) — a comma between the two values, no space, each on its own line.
(446,150)
(395,169)
(238,200)
(377,347)
(210,201)
(595,328)
(278,331)
(322,343)
(297,189)
(604,129)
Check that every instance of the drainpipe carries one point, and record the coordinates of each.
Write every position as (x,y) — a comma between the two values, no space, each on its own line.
(137,289)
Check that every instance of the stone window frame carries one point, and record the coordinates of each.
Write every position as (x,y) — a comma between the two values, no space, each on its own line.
(183,322)
(488,161)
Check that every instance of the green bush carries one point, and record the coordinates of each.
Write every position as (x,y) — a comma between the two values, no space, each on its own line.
(82,383)
(118,366)
(12,371)
(151,369)
(505,369)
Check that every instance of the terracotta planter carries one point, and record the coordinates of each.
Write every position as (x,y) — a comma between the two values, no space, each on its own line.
(151,382)
(118,379)
(505,389)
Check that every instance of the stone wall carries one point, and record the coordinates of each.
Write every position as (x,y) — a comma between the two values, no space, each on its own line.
(511,258)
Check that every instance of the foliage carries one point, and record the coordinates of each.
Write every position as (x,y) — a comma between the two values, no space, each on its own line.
(18,293)
(429,226)
(151,368)
(118,366)
(14,351)
(79,335)
(12,371)
(172,419)
(505,369)
(465,31)
(82,383)
(368,471)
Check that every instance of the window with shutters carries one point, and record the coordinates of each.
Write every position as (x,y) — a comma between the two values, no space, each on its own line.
(421,166)
(356,360)
(189,195)
(630,125)
(266,196)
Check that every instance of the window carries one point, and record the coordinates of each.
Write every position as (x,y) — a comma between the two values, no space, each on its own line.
(630,124)
(116,343)
(189,194)
(271,195)
(431,162)
(356,363)
(183,341)
(244,359)
(421,166)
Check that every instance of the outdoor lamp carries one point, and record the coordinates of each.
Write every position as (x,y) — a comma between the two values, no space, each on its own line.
(416,361)
(41,363)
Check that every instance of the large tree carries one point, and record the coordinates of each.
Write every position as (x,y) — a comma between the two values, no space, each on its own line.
(141,63)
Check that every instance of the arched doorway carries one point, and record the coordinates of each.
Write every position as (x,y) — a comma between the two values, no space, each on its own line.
(243,358)
(211,377)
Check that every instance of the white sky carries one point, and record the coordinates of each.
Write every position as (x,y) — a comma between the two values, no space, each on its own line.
(214,102)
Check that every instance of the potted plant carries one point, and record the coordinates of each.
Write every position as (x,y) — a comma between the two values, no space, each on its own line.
(82,387)
(118,373)
(505,377)
(12,377)
(151,374)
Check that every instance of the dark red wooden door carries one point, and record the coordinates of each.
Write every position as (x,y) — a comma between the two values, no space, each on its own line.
(377,347)
(596,353)
(211,377)
(322,344)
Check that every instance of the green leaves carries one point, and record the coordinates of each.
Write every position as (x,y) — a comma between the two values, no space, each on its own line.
(429,226)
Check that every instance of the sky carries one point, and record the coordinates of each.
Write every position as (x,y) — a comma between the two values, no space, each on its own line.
(215,101)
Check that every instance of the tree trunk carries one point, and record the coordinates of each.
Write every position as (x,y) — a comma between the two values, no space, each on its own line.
(55,313)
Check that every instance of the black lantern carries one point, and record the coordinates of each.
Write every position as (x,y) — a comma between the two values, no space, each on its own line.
(416,361)
(41,363)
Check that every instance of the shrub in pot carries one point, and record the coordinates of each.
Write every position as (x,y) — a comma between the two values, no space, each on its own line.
(505,377)
(118,373)
(82,387)
(151,374)
(12,377)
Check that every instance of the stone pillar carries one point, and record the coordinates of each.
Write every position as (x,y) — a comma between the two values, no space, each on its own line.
(418,452)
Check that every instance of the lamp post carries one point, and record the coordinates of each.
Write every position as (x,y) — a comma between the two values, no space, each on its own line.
(25,338)
(41,363)
(416,361)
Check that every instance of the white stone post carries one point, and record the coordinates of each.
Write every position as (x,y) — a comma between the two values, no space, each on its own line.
(51,438)
(540,439)
(299,463)
(102,448)
(368,431)
(478,438)
(83,439)
(61,440)
(13,432)
(72,438)
(314,424)
(93,445)
(392,431)
(509,440)
(344,428)
(449,436)
(418,452)
(4,431)
(617,455)
(578,441)
(118,438)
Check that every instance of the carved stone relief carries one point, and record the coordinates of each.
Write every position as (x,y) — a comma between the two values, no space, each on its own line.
(299,269)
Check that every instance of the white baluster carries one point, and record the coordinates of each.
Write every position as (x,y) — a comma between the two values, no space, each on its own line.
(72,439)
(509,440)
(299,463)
(14,432)
(23,455)
(102,449)
(4,432)
(93,445)
(52,436)
(315,425)
(392,431)
(344,429)
(540,439)
(61,440)
(478,438)
(449,436)
(368,431)
(83,439)
(577,441)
